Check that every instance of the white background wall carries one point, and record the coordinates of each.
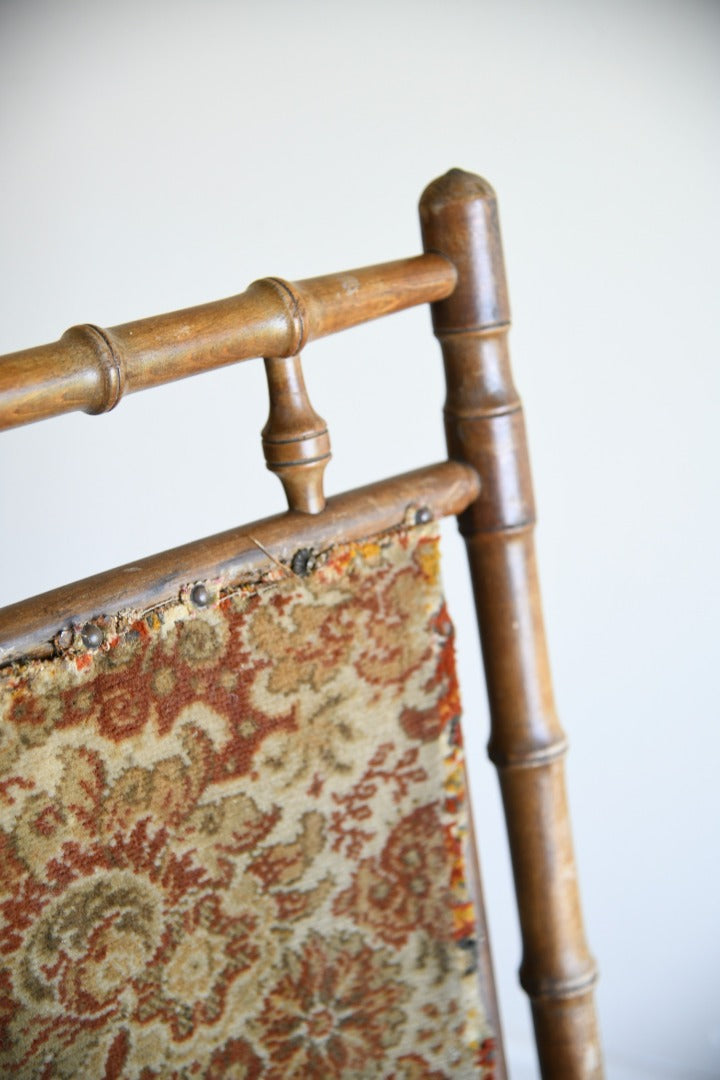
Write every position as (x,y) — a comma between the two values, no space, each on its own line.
(157,155)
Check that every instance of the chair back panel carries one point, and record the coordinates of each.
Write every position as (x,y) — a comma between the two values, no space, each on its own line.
(235,834)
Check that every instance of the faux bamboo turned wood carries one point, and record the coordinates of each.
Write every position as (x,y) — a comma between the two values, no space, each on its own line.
(90,369)
(461,273)
(484,426)
(295,439)
(31,627)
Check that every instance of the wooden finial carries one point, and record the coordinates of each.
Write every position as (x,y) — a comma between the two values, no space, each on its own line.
(295,439)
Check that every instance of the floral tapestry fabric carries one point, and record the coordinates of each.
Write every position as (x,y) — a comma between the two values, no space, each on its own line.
(233,838)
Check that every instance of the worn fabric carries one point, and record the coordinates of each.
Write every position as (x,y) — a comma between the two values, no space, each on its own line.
(232,838)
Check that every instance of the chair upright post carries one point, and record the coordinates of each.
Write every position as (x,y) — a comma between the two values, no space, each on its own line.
(484,427)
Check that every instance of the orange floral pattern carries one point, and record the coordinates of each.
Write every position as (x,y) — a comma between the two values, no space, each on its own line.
(232,838)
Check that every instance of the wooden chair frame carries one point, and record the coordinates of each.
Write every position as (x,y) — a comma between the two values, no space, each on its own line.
(486,482)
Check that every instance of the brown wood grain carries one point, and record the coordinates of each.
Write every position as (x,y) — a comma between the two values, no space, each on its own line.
(90,369)
(484,426)
(295,439)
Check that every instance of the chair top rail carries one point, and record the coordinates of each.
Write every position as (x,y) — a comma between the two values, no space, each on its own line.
(90,369)
(37,627)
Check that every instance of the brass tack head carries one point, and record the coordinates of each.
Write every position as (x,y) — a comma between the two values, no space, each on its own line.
(423,515)
(92,636)
(64,639)
(200,596)
(303,561)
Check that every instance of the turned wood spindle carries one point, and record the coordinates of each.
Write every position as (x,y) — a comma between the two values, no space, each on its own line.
(485,428)
(295,439)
